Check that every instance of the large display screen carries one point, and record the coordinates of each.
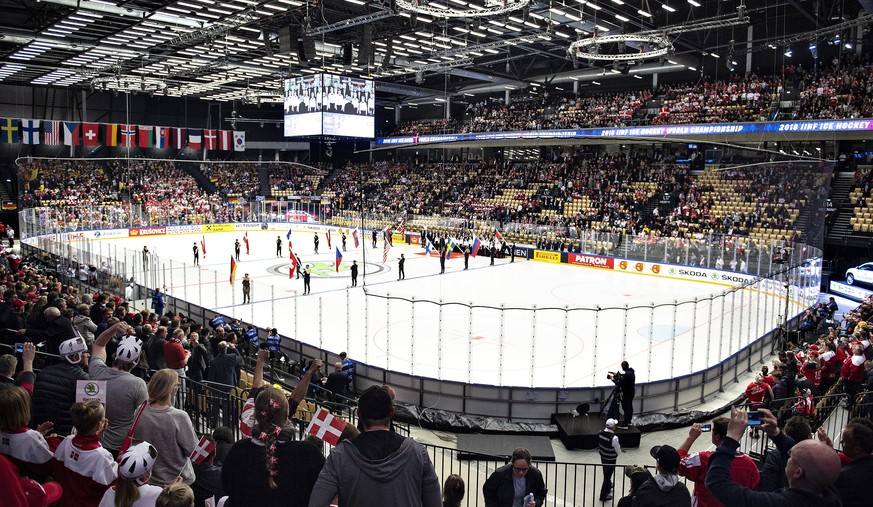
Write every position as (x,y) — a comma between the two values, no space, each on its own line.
(327,104)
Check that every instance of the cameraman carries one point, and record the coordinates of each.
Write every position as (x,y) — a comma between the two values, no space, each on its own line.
(627,384)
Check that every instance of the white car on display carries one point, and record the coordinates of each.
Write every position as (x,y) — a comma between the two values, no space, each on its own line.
(862,273)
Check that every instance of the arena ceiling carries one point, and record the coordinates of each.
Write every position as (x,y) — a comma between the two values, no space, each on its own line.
(216,50)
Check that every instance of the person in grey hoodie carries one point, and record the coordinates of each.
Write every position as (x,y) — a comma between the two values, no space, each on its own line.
(377,467)
(664,489)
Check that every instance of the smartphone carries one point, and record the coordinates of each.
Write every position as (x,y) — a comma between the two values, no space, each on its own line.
(754,418)
(19,348)
(705,428)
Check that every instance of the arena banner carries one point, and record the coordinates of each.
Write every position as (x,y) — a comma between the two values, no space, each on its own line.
(593,261)
(523,252)
(109,234)
(398,238)
(709,129)
(252,226)
(413,239)
(74,236)
(184,229)
(852,292)
(547,256)
(217,227)
(147,231)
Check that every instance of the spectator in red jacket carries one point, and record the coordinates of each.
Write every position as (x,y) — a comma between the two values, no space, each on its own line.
(828,363)
(694,465)
(852,373)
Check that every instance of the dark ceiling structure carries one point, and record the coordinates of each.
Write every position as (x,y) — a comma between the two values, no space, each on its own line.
(416,50)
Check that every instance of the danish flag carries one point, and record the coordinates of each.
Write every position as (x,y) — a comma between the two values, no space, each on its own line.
(202,451)
(326,427)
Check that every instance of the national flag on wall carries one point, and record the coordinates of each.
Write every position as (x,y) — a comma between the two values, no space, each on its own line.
(224,142)
(202,451)
(203,245)
(232,269)
(128,135)
(210,139)
(293,264)
(30,131)
(90,134)
(52,131)
(195,139)
(179,140)
(327,236)
(326,426)
(246,241)
(162,137)
(146,136)
(112,134)
(72,133)
(476,245)
(239,140)
(450,247)
(339,259)
(9,130)
(355,236)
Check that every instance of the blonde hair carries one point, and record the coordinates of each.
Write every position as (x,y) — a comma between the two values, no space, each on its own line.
(161,386)
(87,416)
(177,494)
(14,409)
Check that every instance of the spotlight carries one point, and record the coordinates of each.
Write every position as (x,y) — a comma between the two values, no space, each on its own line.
(788,53)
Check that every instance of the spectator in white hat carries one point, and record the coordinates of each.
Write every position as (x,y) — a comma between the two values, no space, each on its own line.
(607,442)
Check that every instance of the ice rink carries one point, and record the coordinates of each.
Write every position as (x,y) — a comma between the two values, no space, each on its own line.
(518,324)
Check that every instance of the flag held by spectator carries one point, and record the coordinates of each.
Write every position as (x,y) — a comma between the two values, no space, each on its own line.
(339,259)
(476,245)
(203,245)
(327,236)
(232,269)
(498,236)
(202,451)
(246,241)
(355,236)
(385,252)
(326,427)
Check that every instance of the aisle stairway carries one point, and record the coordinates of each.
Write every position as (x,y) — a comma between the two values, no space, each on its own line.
(842,229)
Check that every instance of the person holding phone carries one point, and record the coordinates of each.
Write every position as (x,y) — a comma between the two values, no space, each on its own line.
(757,392)
(693,466)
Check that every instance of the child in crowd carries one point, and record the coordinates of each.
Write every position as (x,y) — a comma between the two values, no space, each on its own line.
(177,494)
(25,447)
(131,488)
(83,467)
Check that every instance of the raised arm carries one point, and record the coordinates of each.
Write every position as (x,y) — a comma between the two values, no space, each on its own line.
(300,389)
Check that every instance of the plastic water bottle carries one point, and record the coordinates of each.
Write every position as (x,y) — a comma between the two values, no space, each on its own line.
(528,498)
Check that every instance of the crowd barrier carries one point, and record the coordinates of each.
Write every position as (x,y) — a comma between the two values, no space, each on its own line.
(727,334)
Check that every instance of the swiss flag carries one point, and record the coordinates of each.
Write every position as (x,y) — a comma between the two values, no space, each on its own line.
(89,134)
(210,139)
(326,427)
(202,451)
(224,143)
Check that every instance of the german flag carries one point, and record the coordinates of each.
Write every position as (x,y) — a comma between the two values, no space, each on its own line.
(232,269)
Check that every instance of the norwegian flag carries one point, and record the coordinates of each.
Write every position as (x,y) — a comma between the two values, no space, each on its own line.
(326,427)
(202,451)
(128,135)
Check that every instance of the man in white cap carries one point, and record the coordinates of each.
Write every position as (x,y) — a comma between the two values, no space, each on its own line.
(125,392)
(55,389)
(607,442)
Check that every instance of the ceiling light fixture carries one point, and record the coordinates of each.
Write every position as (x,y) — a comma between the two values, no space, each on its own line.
(492,8)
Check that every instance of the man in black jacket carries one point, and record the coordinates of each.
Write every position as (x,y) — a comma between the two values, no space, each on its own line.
(812,468)
(223,377)
(55,389)
(499,489)
(58,328)
(857,444)
(337,380)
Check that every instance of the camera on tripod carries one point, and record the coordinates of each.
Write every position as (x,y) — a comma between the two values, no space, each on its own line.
(615,377)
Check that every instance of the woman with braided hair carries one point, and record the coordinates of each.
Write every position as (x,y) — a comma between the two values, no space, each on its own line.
(271,468)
